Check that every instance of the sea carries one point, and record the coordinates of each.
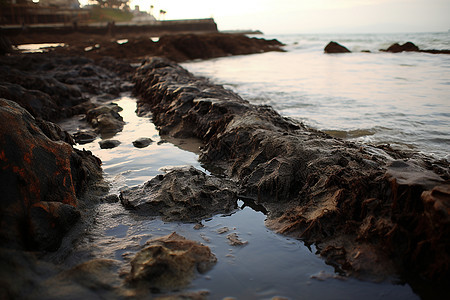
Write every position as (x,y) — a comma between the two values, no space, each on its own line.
(399,99)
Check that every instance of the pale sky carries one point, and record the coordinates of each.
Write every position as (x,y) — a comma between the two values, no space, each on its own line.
(311,16)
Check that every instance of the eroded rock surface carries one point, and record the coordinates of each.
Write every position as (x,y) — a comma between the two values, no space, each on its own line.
(40,180)
(106,119)
(363,215)
(184,194)
(170,262)
(53,87)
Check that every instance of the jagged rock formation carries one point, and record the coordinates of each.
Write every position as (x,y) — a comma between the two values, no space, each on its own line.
(362,206)
(183,194)
(41,177)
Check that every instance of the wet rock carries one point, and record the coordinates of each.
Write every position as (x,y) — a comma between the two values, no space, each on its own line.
(106,120)
(5,45)
(53,86)
(40,181)
(223,230)
(109,144)
(184,194)
(334,47)
(408,46)
(178,47)
(49,221)
(170,262)
(54,132)
(142,142)
(234,240)
(84,136)
(97,278)
(193,46)
(201,295)
(113,198)
(411,47)
(361,208)
(29,81)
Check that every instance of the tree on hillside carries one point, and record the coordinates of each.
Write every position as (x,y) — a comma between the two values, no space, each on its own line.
(162,14)
(114,3)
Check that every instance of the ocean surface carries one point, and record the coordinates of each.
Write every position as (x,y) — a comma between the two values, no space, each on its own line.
(400,99)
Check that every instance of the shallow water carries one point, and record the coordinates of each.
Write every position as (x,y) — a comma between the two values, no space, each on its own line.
(38,48)
(400,99)
(268,265)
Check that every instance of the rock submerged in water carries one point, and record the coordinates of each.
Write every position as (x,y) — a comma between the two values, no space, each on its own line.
(84,136)
(109,144)
(142,142)
(183,194)
(334,47)
(106,120)
(170,262)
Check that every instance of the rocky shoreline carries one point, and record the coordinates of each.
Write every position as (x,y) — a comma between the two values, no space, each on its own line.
(50,188)
(372,212)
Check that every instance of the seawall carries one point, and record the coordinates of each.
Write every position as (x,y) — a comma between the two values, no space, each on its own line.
(157,27)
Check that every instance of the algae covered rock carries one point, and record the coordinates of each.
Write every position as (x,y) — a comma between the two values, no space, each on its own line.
(170,262)
(40,179)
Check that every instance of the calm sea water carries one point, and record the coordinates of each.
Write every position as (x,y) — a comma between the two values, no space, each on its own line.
(400,99)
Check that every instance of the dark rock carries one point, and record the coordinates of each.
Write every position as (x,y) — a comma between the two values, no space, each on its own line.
(53,86)
(436,51)
(5,45)
(54,132)
(350,201)
(334,47)
(106,120)
(142,142)
(170,262)
(408,46)
(109,144)
(40,180)
(113,198)
(184,194)
(193,46)
(84,136)
(49,221)
(97,278)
